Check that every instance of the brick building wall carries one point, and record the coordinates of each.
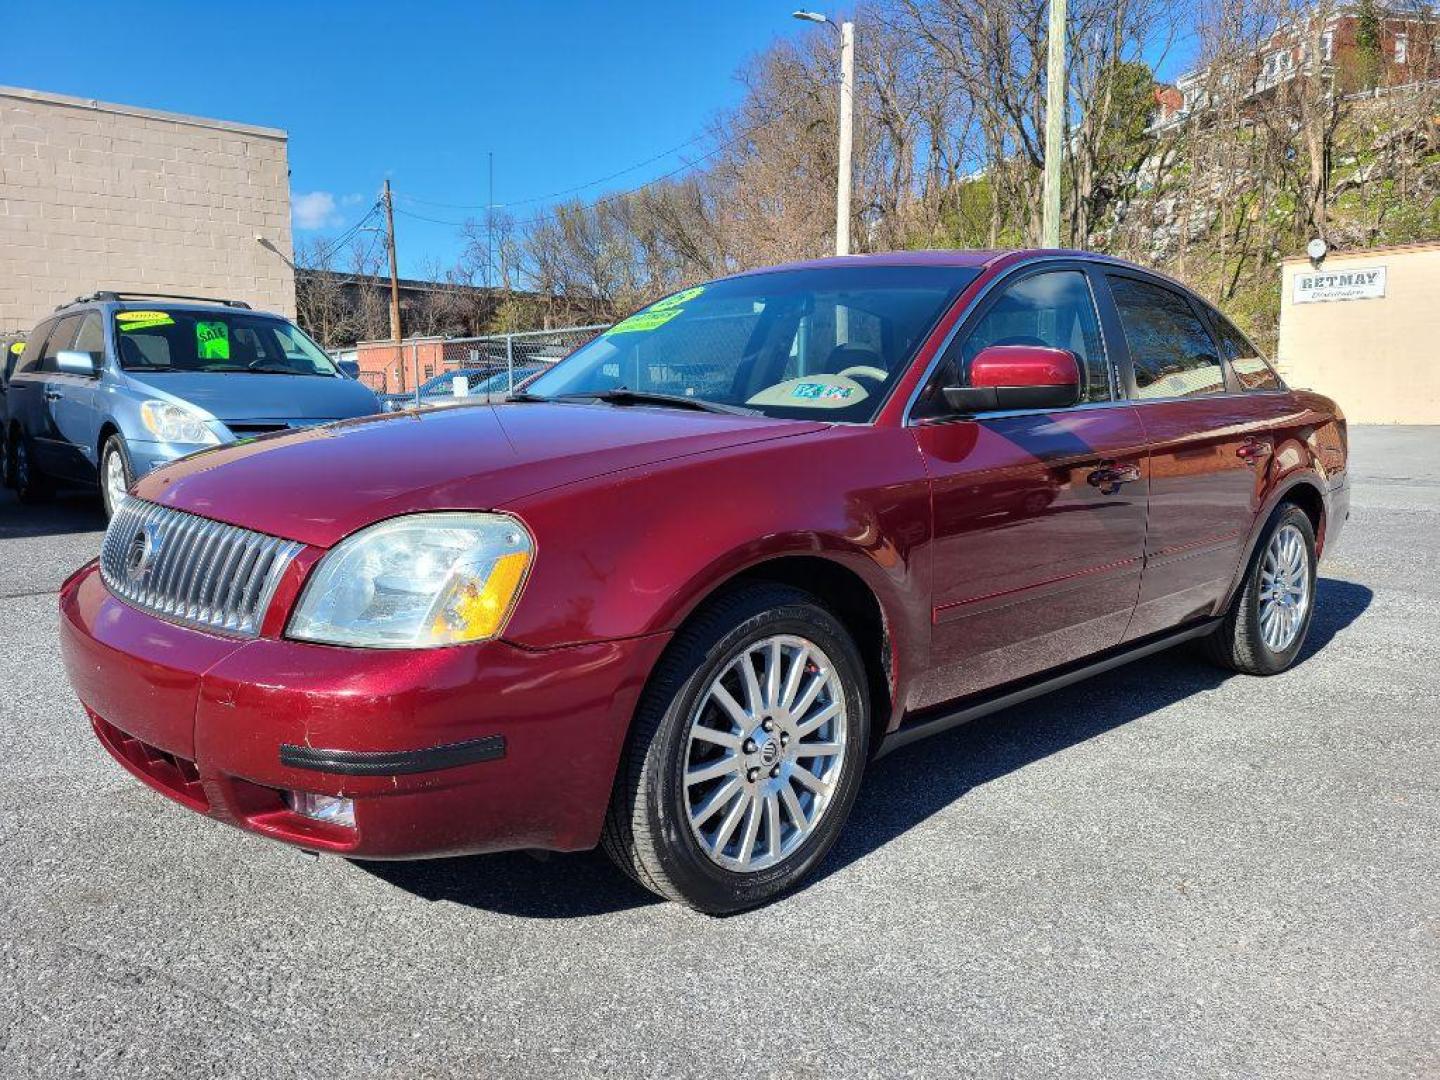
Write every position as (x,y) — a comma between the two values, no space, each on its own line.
(99,196)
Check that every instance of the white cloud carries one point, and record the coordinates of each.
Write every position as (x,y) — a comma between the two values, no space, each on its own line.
(354,199)
(315,210)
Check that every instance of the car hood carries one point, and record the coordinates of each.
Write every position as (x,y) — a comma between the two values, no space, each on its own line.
(236,396)
(320,484)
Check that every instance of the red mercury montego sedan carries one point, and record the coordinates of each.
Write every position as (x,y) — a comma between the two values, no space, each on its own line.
(674,596)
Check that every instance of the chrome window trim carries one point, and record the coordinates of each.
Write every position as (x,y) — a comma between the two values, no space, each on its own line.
(1000,414)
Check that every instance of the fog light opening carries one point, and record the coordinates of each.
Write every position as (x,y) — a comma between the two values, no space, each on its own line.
(330,809)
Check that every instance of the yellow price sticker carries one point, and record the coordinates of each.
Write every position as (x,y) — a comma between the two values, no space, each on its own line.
(657,314)
(142,320)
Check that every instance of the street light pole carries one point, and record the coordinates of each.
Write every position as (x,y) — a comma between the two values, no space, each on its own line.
(1054,125)
(847,137)
(847,124)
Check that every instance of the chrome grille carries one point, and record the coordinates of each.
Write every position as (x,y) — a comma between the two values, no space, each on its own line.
(192,570)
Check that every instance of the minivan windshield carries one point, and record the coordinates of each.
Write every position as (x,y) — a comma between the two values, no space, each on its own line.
(179,339)
(823,343)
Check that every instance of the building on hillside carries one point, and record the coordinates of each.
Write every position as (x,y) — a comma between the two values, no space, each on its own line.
(1361,327)
(99,196)
(1406,53)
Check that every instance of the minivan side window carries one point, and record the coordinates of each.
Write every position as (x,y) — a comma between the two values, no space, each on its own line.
(1172,352)
(34,346)
(59,340)
(1250,368)
(91,339)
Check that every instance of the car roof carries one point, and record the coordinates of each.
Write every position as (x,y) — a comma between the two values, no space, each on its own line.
(153,305)
(972,258)
(180,305)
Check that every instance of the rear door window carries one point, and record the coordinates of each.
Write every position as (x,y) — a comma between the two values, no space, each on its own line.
(59,340)
(1172,353)
(34,346)
(1250,368)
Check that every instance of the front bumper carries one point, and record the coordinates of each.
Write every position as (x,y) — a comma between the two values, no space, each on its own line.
(146,457)
(444,751)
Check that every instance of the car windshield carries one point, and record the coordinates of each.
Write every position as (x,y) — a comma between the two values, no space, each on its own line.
(180,339)
(823,343)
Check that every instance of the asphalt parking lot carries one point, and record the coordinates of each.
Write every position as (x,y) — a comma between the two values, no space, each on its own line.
(1161,873)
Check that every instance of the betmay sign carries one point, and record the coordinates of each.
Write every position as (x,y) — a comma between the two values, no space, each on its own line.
(1360,283)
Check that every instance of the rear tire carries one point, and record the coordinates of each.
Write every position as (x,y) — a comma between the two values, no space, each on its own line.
(1265,628)
(31,485)
(772,809)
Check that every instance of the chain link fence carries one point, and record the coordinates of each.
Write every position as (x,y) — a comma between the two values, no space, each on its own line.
(518,357)
(492,365)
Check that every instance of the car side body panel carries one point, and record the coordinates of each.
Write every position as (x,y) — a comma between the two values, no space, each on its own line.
(1037,558)
(635,552)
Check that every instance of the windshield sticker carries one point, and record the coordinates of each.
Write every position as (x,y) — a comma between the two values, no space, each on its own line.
(18,348)
(142,320)
(821,390)
(212,339)
(682,297)
(643,322)
(657,314)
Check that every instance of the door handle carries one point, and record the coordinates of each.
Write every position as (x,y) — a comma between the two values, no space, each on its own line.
(1254,451)
(1110,475)
(53,395)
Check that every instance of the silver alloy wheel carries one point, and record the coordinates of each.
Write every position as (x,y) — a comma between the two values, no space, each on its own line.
(115,486)
(1284,588)
(765,751)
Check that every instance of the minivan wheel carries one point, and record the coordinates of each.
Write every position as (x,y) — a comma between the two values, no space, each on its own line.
(116,476)
(746,752)
(30,484)
(1265,629)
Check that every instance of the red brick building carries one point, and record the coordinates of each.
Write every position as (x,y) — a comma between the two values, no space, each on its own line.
(1406,53)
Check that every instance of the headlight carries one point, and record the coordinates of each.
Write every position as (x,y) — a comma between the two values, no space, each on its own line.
(169,422)
(416,582)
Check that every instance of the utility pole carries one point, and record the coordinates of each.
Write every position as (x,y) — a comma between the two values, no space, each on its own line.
(847,134)
(394,273)
(1054,125)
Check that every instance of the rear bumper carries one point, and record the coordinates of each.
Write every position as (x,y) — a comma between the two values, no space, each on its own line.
(444,751)
(1337,511)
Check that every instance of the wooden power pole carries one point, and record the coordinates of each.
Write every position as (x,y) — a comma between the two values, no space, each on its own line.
(1054,126)
(394,274)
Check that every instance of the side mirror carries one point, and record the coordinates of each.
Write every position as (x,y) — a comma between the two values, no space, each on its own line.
(74,362)
(1018,377)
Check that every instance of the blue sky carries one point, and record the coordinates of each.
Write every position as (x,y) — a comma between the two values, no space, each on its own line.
(562,93)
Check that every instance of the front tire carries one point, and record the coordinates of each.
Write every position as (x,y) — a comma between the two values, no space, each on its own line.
(1265,629)
(116,475)
(734,784)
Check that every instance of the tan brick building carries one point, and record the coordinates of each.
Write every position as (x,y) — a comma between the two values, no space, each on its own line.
(99,196)
(1362,327)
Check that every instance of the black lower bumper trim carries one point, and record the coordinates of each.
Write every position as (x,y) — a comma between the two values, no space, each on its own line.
(392,762)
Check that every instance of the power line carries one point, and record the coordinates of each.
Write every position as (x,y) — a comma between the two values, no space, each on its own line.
(556,194)
(325,250)
(725,145)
